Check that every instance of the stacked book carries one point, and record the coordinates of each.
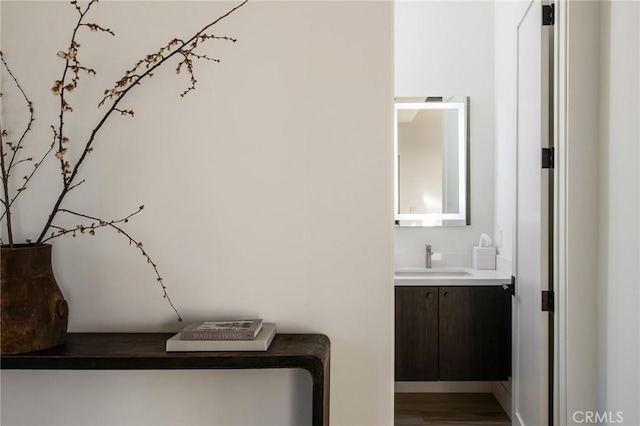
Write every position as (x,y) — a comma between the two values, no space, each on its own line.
(232,335)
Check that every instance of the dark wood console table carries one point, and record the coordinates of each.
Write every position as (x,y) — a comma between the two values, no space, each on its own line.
(146,351)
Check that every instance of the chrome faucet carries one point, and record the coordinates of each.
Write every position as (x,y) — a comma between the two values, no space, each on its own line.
(429,253)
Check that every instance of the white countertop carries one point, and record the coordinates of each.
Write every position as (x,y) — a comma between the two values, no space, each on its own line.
(449,277)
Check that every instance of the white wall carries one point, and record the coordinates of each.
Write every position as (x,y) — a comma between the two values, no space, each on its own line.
(259,202)
(447,48)
(505,132)
(619,245)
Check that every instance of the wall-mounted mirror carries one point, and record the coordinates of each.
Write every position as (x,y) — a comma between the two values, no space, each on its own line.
(431,161)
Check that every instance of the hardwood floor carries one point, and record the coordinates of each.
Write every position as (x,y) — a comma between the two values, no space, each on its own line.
(450,409)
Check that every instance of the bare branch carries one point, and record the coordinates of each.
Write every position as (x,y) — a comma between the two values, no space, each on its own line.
(82,228)
(5,188)
(96,27)
(125,112)
(28,178)
(24,160)
(5,169)
(61,86)
(118,93)
(29,107)
(98,223)
(152,61)
(77,185)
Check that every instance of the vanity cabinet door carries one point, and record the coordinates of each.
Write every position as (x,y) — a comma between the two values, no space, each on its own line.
(416,333)
(474,333)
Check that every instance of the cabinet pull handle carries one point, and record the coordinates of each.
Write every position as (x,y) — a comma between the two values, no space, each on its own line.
(429,295)
(446,293)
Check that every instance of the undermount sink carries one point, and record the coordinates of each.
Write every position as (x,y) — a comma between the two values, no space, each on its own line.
(432,273)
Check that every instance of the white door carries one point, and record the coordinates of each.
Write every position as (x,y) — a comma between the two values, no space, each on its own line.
(531,375)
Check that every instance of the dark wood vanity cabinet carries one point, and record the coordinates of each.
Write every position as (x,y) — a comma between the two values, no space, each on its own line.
(452,333)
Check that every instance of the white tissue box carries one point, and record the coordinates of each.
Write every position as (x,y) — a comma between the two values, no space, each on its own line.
(483,257)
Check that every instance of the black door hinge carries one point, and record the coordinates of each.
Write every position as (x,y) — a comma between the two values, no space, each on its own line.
(547,301)
(548,14)
(548,158)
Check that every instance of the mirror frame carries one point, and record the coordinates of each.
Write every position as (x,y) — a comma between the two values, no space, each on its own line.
(462,217)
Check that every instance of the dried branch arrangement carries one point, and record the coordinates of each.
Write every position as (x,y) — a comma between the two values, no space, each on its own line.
(11,163)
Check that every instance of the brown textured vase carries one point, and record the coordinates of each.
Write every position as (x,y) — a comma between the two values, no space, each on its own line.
(33,311)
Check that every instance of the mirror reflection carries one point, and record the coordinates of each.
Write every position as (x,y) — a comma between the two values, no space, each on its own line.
(431,148)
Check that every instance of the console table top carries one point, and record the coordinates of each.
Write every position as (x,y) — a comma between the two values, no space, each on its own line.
(125,351)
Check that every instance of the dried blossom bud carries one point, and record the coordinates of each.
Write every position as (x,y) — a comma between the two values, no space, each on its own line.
(57,86)
(61,153)
(65,169)
(96,27)
(128,112)
(62,54)
(66,106)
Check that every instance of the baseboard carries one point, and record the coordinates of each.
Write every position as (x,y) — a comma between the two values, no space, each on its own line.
(503,396)
(443,387)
